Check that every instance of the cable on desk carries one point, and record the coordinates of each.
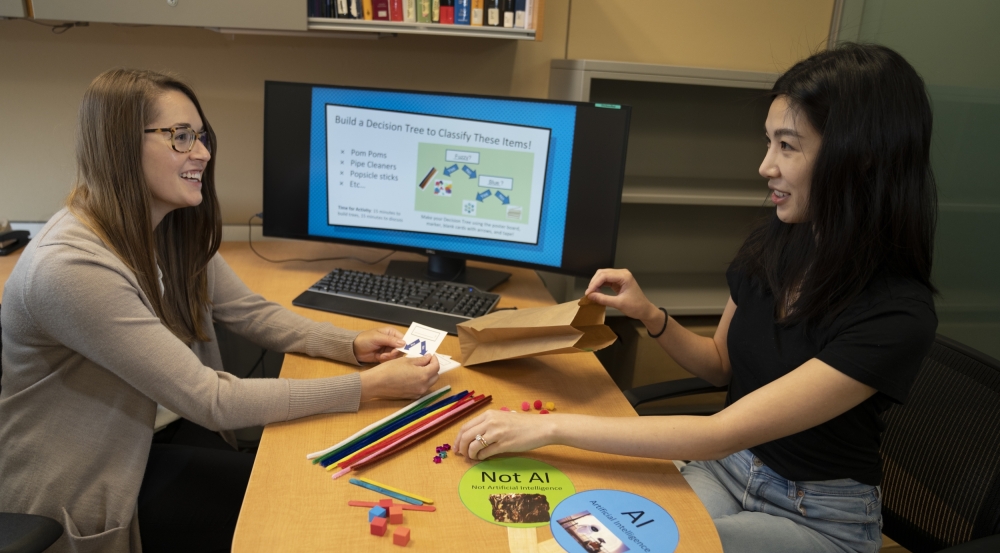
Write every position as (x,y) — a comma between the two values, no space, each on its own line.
(58,29)
(250,242)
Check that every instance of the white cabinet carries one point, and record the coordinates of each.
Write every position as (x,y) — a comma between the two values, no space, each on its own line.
(692,191)
(12,8)
(287,15)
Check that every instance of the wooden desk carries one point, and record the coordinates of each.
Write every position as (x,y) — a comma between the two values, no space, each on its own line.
(292,505)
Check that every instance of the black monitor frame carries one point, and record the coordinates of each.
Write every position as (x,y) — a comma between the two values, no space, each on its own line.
(597,173)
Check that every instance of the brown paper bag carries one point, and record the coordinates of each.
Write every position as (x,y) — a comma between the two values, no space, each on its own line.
(565,328)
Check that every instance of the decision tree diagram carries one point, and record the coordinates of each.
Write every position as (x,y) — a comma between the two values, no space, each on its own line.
(474,182)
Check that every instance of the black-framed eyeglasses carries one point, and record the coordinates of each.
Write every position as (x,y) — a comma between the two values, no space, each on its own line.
(182,138)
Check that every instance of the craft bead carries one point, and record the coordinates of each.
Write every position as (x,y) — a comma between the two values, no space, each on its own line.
(538,404)
(401,536)
(444,454)
(550,406)
(525,406)
(504,408)
(447,447)
(378,526)
(437,459)
(376,512)
(438,449)
(543,412)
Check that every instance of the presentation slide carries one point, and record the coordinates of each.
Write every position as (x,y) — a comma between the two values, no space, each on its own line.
(440,175)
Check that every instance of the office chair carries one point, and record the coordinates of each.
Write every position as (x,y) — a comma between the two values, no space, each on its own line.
(940,451)
(20,533)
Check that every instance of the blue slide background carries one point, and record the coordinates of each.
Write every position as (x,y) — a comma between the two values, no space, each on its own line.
(561,119)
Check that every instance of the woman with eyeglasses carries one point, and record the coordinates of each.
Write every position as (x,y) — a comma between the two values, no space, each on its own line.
(108,336)
(829,317)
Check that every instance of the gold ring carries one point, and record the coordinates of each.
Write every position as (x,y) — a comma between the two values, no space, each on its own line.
(482,440)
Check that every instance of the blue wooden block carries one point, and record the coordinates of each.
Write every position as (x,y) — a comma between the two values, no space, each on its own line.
(377,511)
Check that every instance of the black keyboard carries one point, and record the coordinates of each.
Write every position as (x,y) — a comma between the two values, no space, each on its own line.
(397,300)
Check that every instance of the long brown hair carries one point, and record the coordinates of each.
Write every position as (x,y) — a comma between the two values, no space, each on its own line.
(111,196)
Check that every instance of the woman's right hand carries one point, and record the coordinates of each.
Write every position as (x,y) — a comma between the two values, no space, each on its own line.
(402,378)
(629,299)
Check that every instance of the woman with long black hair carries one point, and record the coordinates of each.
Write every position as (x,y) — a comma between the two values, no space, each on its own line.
(829,316)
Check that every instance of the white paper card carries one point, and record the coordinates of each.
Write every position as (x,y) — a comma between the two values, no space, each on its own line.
(447,363)
(421,340)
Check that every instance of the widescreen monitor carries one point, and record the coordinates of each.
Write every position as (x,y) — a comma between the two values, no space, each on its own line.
(531,183)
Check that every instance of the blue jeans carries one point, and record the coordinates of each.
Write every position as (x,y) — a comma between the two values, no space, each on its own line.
(756,510)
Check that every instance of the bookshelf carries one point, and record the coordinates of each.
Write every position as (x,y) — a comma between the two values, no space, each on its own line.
(266,17)
(691,191)
(325,24)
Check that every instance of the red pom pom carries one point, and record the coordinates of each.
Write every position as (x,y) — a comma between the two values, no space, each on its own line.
(538,404)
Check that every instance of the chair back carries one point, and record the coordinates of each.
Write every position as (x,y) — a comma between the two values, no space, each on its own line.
(941,452)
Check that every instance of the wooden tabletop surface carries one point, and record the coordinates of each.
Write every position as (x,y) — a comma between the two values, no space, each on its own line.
(293,505)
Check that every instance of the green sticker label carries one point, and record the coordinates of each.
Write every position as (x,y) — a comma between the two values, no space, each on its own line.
(609,106)
(516,491)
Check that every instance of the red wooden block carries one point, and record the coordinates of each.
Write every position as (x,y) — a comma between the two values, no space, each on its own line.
(378,526)
(396,514)
(385,503)
(401,536)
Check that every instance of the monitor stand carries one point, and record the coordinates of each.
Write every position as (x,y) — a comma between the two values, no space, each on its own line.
(451,269)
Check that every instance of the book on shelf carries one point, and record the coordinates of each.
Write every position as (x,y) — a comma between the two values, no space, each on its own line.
(529,13)
(435,11)
(424,11)
(493,18)
(519,13)
(462,12)
(476,17)
(508,13)
(366,10)
(447,11)
(395,10)
(410,11)
(380,10)
(342,9)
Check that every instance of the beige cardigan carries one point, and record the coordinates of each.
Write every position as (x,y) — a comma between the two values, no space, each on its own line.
(85,362)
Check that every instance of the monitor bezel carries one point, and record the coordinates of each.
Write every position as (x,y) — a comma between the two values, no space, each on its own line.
(273,144)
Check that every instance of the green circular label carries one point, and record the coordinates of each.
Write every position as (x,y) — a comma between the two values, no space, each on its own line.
(514,491)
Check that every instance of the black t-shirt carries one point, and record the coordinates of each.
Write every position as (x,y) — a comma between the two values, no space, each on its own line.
(879,340)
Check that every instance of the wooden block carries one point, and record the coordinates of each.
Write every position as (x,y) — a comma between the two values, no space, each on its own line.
(401,536)
(396,514)
(385,503)
(377,512)
(378,526)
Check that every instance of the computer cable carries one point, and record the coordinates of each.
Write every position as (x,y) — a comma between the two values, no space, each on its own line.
(261,217)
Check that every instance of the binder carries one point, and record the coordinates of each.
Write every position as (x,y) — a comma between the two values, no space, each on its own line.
(476,18)
(395,10)
(366,9)
(380,10)
(493,16)
(424,11)
(410,11)
(462,12)
(519,12)
(508,13)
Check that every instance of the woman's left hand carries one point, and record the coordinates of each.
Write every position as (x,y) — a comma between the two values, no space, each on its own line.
(378,345)
(505,431)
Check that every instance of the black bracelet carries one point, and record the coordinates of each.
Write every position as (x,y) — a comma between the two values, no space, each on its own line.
(666,316)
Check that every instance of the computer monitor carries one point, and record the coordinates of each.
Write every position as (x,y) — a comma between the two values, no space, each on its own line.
(531,183)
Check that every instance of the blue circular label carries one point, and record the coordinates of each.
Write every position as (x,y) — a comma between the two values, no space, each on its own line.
(611,521)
